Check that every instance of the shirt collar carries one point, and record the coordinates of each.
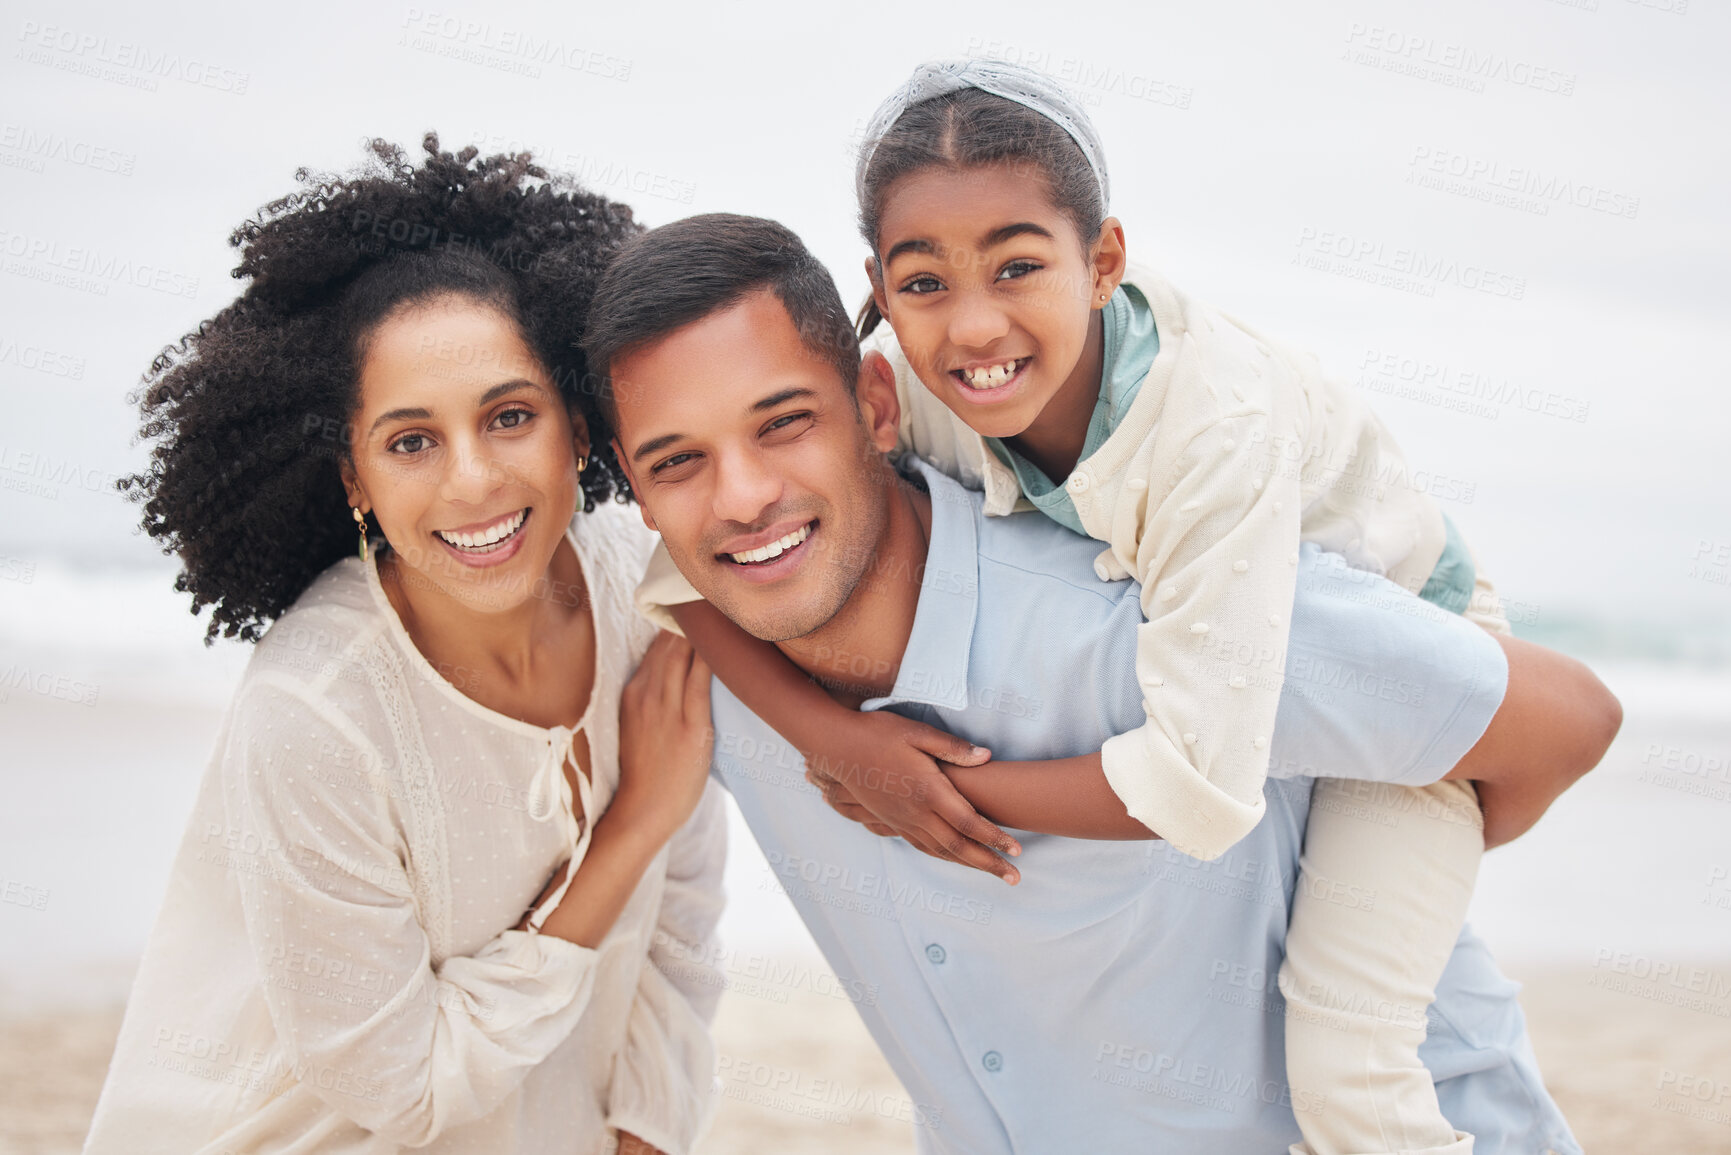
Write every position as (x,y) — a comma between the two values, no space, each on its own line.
(934,669)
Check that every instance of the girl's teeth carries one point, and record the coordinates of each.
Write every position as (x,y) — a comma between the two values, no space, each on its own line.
(991,377)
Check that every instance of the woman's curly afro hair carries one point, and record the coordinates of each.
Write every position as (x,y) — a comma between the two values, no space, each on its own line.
(250,412)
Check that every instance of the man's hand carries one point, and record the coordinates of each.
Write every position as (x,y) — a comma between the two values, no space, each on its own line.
(630,1144)
(893,783)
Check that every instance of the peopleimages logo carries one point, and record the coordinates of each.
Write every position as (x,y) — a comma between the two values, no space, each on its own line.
(121,61)
(1522,187)
(1399,267)
(40,359)
(87,268)
(502,47)
(1462,389)
(1447,63)
(39,147)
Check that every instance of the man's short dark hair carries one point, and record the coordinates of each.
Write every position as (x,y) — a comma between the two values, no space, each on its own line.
(670,277)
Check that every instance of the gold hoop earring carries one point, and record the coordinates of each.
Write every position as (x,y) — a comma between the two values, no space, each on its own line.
(361,521)
(582,464)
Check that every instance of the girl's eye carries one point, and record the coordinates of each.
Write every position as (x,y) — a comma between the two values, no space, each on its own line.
(1016,269)
(408,443)
(512,418)
(922,285)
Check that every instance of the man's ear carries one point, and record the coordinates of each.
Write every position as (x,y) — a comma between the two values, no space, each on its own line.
(876,277)
(631,477)
(1110,261)
(879,407)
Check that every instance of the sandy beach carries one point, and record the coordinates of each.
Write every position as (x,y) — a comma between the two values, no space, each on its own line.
(1631,1075)
(1615,912)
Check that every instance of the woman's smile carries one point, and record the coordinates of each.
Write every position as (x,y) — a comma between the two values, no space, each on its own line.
(488,542)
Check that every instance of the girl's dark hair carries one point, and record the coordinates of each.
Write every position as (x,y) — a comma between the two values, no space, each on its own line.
(250,412)
(968,128)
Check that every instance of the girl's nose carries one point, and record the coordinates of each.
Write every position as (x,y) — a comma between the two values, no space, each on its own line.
(976,321)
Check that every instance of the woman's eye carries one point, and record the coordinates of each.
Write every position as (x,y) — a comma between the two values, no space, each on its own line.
(408,443)
(922,285)
(512,418)
(1016,269)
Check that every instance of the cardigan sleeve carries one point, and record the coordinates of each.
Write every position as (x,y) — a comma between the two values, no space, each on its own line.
(370,1025)
(1217,557)
(661,587)
(663,1078)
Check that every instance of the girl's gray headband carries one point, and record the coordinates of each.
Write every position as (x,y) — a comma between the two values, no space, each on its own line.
(1026,87)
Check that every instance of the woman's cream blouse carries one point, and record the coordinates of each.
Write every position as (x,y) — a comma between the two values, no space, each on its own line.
(333,970)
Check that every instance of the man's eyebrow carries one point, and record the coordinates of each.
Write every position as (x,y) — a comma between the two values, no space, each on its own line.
(656,445)
(779,397)
(782,397)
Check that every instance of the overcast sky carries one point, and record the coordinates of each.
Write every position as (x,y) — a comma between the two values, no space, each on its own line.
(1544,183)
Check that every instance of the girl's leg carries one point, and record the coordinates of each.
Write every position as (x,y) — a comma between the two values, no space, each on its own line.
(1383,887)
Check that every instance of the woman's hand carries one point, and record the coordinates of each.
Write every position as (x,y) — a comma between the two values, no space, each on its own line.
(665,736)
(664,747)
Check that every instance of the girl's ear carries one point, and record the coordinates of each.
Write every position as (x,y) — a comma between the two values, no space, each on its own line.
(1110,261)
(879,407)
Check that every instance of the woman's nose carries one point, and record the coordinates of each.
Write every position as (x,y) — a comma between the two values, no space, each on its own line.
(471,475)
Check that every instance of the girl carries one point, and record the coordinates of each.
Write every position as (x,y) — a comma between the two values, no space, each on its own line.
(1035,364)
(447,872)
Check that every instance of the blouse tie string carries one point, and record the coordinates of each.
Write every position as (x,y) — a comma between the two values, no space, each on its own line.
(550,798)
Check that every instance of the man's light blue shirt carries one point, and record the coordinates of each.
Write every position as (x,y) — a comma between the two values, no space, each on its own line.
(1123,997)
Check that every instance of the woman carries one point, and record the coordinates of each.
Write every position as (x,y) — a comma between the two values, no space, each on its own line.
(450,882)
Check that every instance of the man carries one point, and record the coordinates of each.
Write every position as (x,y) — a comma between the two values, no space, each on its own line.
(1122,997)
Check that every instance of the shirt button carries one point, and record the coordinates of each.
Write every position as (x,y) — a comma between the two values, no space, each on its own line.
(1078,483)
(936,953)
(993,1061)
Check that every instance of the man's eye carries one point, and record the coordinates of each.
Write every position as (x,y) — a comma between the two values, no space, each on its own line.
(923,285)
(785,420)
(673,462)
(409,443)
(1016,269)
